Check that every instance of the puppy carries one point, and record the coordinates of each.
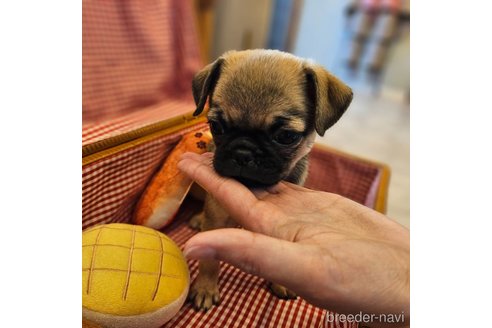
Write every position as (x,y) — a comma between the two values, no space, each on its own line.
(266,107)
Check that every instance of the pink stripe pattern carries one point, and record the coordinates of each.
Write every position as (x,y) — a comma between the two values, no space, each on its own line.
(138,60)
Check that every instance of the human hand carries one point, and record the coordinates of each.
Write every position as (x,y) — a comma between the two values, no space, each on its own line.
(333,252)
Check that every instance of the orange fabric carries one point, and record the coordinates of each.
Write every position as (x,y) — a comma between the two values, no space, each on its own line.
(168,187)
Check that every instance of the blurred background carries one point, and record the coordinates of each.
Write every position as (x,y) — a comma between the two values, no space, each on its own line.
(366,43)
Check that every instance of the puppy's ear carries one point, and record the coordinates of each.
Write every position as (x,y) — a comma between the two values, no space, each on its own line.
(331,97)
(204,83)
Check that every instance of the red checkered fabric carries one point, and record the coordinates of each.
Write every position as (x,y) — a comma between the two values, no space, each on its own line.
(93,132)
(343,175)
(111,186)
(138,61)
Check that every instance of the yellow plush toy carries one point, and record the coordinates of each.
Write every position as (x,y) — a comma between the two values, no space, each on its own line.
(132,276)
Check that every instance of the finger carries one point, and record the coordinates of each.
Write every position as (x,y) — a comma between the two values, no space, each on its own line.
(197,156)
(280,194)
(288,195)
(285,185)
(236,199)
(276,260)
(260,193)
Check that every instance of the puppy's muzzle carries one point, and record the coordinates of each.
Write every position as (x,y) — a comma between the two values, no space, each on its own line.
(244,157)
(245,161)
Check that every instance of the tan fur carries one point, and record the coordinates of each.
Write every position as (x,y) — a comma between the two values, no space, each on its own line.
(252,89)
(204,292)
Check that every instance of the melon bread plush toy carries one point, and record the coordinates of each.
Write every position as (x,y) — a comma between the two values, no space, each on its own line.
(135,276)
(132,276)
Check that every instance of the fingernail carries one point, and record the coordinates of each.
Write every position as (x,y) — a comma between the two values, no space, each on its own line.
(199,253)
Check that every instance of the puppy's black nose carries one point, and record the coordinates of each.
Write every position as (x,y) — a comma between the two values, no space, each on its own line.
(243,156)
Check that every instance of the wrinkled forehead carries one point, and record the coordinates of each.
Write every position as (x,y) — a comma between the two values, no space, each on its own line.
(292,119)
(259,96)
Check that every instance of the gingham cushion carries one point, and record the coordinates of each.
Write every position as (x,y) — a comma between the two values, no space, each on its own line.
(93,132)
(343,175)
(138,61)
(112,185)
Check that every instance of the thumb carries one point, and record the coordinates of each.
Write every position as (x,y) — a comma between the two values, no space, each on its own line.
(276,260)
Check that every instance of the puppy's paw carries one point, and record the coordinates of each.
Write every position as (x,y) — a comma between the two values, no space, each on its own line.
(196,221)
(204,294)
(282,292)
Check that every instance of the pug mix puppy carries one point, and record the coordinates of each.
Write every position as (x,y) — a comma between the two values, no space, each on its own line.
(266,107)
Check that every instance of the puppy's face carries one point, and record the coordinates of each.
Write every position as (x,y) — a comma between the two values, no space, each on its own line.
(263,112)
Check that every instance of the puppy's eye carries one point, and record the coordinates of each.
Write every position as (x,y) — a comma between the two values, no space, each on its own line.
(216,127)
(286,137)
